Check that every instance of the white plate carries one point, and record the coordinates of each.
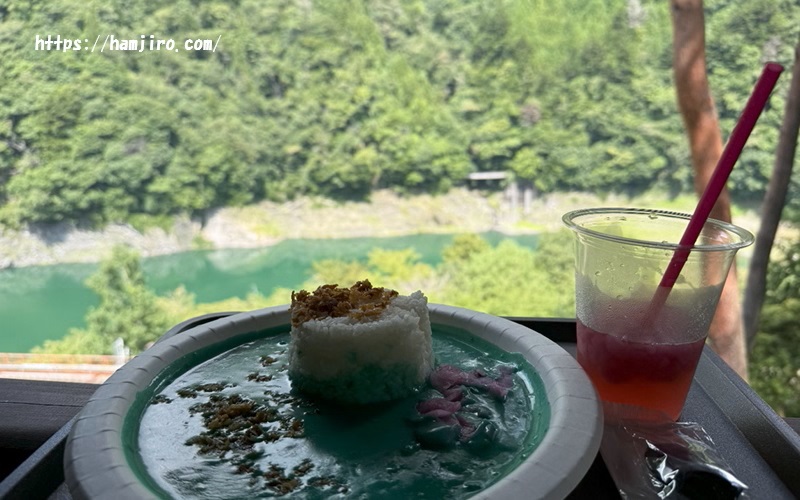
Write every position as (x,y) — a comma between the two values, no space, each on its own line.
(96,465)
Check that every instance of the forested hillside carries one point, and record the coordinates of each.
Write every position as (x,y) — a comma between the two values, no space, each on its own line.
(338,98)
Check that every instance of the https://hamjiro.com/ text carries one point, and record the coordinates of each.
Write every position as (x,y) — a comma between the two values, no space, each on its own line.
(112,43)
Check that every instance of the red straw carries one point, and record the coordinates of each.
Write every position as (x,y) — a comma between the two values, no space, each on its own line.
(752,110)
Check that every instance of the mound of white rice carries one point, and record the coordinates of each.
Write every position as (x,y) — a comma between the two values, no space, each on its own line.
(352,359)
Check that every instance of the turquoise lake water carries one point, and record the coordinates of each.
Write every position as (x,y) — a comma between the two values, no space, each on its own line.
(44,302)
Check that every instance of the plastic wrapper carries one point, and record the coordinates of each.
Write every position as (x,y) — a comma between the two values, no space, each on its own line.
(671,460)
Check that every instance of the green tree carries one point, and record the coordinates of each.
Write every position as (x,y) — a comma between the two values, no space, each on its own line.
(740,37)
(397,269)
(463,247)
(128,310)
(535,282)
(775,355)
(344,97)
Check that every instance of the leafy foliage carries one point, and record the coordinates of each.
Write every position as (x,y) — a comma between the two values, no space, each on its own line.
(338,98)
(128,310)
(537,282)
(775,358)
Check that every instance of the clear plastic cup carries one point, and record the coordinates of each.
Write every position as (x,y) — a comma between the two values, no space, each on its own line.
(641,358)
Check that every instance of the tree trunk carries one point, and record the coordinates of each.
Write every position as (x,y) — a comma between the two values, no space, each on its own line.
(700,118)
(772,206)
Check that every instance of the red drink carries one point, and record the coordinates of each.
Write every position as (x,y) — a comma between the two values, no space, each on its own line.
(639,341)
(646,375)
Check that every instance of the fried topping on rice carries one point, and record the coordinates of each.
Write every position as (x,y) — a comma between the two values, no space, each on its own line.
(360,301)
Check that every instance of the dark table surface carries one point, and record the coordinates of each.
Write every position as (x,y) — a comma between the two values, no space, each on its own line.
(761,448)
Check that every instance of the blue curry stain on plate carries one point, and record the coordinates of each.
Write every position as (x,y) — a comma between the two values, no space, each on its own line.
(341,451)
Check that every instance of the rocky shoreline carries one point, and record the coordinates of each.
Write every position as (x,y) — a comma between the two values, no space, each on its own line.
(264,224)
(386,214)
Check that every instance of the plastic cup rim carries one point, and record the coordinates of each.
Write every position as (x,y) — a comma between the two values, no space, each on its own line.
(746,238)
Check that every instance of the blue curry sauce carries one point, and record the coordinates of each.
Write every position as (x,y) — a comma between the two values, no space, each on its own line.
(232,428)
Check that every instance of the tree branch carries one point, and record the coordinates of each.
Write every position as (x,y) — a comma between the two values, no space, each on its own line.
(772,206)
